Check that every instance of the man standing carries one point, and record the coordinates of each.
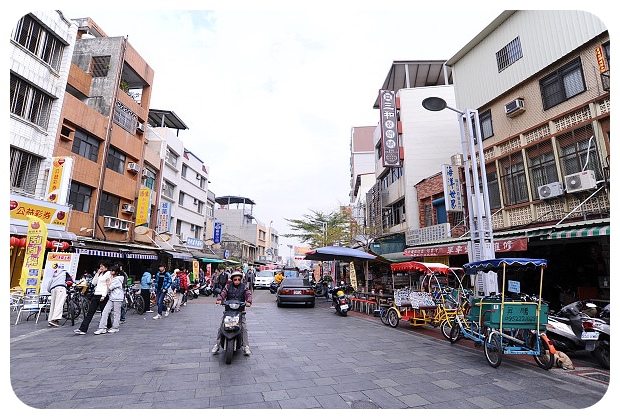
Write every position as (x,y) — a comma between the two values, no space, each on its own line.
(163,280)
(57,287)
(250,279)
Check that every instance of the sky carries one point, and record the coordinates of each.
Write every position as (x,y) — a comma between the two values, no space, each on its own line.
(270,94)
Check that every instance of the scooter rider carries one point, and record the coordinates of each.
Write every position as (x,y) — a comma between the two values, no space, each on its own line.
(236,290)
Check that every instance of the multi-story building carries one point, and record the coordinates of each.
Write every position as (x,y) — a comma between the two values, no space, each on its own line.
(362,179)
(425,142)
(41,47)
(540,82)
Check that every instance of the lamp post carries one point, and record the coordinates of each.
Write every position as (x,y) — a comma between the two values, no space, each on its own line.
(479,211)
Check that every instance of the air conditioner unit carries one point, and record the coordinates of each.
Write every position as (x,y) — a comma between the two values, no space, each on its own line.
(193,228)
(110,222)
(140,127)
(198,176)
(580,181)
(145,173)
(134,167)
(128,208)
(123,225)
(515,107)
(550,190)
(195,201)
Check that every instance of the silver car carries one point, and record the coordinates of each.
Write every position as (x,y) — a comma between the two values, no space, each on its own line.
(264,278)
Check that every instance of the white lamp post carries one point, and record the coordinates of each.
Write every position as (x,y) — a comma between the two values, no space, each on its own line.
(480,223)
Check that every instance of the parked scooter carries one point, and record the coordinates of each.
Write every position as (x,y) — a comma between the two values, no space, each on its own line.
(321,287)
(340,300)
(205,289)
(230,329)
(572,330)
(193,292)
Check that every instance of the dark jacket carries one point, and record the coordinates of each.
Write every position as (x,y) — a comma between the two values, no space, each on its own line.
(230,292)
(163,282)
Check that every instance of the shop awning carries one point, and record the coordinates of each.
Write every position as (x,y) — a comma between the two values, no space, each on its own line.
(207,260)
(515,244)
(142,255)
(97,252)
(51,234)
(577,232)
(180,255)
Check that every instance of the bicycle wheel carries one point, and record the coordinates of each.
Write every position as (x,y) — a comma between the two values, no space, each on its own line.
(446,327)
(455,332)
(392,317)
(546,359)
(493,349)
(139,304)
(384,318)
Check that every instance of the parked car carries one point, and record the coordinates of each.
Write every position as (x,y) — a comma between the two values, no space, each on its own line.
(264,279)
(295,290)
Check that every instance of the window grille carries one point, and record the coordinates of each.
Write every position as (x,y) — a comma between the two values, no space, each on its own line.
(30,34)
(100,66)
(24,171)
(509,54)
(562,84)
(30,103)
(513,179)
(486,124)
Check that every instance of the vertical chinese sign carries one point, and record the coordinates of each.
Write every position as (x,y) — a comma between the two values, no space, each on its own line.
(143,207)
(389,129)
(217,232)
(59,180)
(164,217)
(452,188)
(30,280)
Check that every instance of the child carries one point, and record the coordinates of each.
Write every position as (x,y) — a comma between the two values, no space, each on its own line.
(115,290)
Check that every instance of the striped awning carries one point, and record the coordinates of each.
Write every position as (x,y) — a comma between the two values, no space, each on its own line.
(96,252)
(180,255)
(141,256)
(577,232)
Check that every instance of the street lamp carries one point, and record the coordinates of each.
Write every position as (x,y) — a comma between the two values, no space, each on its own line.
(480,223)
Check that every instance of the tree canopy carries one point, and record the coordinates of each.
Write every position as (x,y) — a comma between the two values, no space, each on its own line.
(320,229)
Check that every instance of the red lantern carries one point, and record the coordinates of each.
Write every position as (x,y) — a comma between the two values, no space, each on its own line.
(48,244)
(65,245)
(13,241)
(22,242)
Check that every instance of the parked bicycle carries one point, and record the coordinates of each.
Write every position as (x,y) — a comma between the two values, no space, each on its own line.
(133,299)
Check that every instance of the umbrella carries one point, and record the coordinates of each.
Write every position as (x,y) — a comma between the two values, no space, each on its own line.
(345,254)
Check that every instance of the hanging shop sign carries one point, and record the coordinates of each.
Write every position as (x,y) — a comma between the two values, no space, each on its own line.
(59,180)
(33,260)
(452,188)
(506,245)
(389,129)
(54,216)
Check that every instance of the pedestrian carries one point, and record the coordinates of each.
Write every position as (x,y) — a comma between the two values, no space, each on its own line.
(116,296)
(250,278)
(181,286)
(145,290)
(186,288)
(222,280)
(122,272)
(279,277)
(163,281)
(57,287)
(236,290)
(101,281)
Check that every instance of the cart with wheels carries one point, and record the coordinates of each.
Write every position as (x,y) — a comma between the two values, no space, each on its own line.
(514,326)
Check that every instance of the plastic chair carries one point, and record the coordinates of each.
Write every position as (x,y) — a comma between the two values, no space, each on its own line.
(33,303)
(16,300)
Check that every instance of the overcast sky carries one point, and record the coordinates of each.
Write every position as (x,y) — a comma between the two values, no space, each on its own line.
(270,96)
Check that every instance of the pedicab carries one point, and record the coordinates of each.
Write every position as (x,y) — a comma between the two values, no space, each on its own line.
(515,326)
(433,304)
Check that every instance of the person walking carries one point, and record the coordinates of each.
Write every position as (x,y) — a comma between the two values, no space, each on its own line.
(57,287)
(181,289)
(145,290)
(236,290)
(249,277)
(163,280)
(124,275)
(222,280)
(101,281)
(116,295)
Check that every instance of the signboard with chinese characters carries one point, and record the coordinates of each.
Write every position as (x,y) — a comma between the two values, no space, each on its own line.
(53,215)
(600,58)
(217,232)
(506,245)
(389,129)
(163,220)
(59,260)
(432,233)
(59,180)
(33,259)
(143,207)
(194,242)
(452,188)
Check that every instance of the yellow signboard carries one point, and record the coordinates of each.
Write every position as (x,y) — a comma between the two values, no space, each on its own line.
(52,215)
(143,207)
(30,280)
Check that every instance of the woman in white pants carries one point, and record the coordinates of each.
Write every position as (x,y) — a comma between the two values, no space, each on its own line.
(114,303)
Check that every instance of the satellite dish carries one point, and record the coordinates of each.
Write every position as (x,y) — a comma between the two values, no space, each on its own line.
(141,230)
(164,237)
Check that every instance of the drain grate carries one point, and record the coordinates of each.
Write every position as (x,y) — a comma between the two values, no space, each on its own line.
(599,377)
(364,404)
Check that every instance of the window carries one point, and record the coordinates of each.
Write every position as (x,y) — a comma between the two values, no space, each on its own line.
(181,198)
(562,84)
(542,166)
(148,179)
(85,145)
(509,54)
(428,215)
(578,152)
(30,103)
(24,170)
(513,179)
(109,204)
(171,158)
(178,227)
(486,124)
(30,34)
(79,196)
(168,190)
(100,65)
(197,231)
(200,207)
(125,118)
(184,170)
(116,161)
(493,188)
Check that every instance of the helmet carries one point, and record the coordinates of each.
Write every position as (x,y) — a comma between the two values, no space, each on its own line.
(236,273)
(340,293)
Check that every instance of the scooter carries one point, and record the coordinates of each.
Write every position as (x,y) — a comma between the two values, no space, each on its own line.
(572,330)
(230,329)
(321,288)
(273,287)
(205,289)
(193,291)
(340,300)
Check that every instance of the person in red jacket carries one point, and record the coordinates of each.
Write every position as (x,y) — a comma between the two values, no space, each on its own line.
(183,278)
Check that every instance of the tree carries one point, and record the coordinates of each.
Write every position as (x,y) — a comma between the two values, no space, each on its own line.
(319,229)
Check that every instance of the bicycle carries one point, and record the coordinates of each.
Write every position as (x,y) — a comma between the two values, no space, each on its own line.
(72,307)
(133,299)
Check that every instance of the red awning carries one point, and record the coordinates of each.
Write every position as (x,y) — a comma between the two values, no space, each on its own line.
(424,267)
(505,245)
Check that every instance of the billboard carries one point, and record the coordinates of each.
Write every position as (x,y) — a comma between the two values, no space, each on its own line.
(389,129)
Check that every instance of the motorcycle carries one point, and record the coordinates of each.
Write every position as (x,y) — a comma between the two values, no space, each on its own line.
(193,291)
(321,287)
(572,330)
(273,287)
(230,329)
(205,289)
(340,300)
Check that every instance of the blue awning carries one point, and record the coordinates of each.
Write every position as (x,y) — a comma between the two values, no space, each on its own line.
(180,255)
